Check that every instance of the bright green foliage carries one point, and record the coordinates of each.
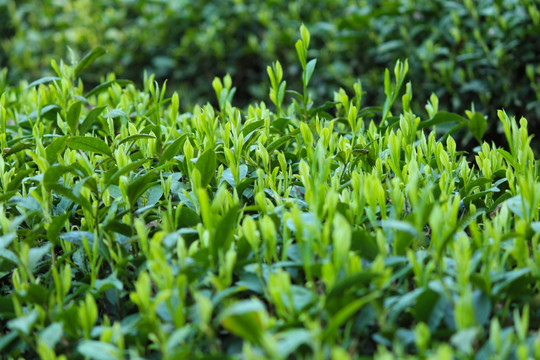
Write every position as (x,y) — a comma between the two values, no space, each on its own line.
(132,229)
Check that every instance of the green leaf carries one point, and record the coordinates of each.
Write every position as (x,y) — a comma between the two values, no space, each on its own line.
(28,203)
(119,227)
(17,148)
(7,239)
(90,119)
(55,147)
(535,226)
(48,112)
(7,311)
(56,225)
(34,294)
(442,117)
(142,183)
(53,173)
(464,340)
(172,149)
(88,143)
(398,304)
(7,339)
(245,319)
(424,305)
(229,178)
(365,244)
(478,125)
(345,314)
(387,84)
(16,181)
(359,151)
(77,238)
(73,116)
(116,113)
(296,94)
(508,157)
(482,307)
(105,85)
(136,137)
(52,334)
(452,131)
(88,59)
(223,235)
(112,176)
(248,129)
(400,226)
(301,298)
(188,217)
(290,340)
(474,184)
(98,350)
(227,175)
(70,194)
(515,204)
(36,254)
(24,323)
(505,279)
(153,195)
(470,198)
(43,80)
(9,255)
(327,105)
(276,144)
(301,52)
(109,282)
(206,164)
(310,67)
(281,92)
(347,284)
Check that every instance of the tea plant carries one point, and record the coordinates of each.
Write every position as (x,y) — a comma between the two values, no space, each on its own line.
(481,52)
(294,229)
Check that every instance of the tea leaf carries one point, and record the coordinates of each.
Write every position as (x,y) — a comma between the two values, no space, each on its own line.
(17,148)
(137,187)
(223,236)
(90,119)
(245,319)
(310,67)
(73,116)
(43,80)
(52,334)
(442,117)
(88,143)
(106,85)
(136,137)
(172,149)
(24,323)
(346,312)
(98,350)
(55,147)
(478,125)
(206,164)
(89,59)
(113,175)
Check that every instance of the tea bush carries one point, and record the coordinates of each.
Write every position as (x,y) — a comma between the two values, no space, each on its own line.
(131,228)
(486,52)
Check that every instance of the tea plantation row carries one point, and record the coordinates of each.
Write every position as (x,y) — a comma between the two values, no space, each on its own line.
(132,228)
(486,52)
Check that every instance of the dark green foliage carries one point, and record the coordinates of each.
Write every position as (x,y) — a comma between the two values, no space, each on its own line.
(302,229)
(486,52)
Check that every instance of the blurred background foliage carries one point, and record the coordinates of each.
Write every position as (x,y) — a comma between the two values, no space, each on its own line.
(485,52)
